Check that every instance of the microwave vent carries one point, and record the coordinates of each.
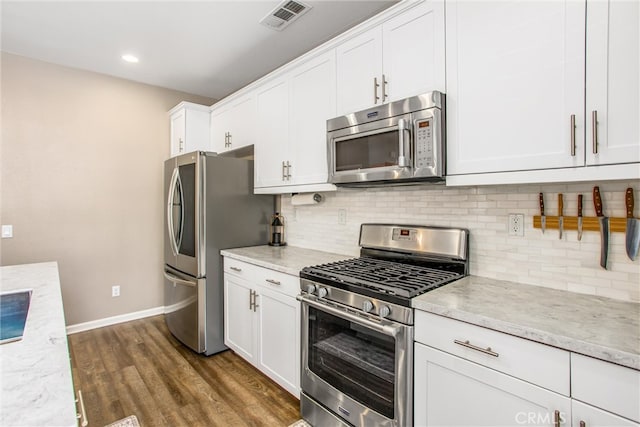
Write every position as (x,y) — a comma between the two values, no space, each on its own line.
(284,14)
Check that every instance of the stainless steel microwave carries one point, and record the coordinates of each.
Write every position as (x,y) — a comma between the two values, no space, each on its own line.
(396,143)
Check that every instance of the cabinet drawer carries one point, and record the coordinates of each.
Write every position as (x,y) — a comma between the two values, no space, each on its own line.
(611,387)
(241,269)
(279,282)
(536,363)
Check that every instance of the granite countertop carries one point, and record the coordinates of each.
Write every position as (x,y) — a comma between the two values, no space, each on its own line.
(286,259)
(35,373)
(599,327)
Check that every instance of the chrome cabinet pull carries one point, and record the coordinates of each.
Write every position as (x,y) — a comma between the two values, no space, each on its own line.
(594,131)
(230,139)
(255,298)
(573,135)
(235,268)
(284,174)
(475,347)
(180,145)
(251,300)
(375,90)
(556,418)
(288,171)
(384,88)
(273,282)
(83,414)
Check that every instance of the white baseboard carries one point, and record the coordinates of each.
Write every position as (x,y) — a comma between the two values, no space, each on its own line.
(94,324)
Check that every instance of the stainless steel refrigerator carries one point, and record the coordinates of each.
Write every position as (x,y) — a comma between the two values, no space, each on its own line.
(209,206)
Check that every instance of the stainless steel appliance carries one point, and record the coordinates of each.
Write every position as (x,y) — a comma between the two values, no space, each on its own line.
(210,206)
(396,143)
(357,323)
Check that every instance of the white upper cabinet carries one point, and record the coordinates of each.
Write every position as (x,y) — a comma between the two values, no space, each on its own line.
(291,153)
(515,84)
(401,57)
(232,124)
(613,82)
(359,72)
(189,128)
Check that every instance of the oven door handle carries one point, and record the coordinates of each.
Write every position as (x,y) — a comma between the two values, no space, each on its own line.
(390,330)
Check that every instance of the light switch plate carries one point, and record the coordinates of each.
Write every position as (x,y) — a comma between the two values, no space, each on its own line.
(7,231)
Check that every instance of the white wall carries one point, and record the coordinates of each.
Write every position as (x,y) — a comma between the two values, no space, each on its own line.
(536,258)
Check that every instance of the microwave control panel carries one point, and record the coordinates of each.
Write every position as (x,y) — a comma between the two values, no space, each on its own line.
(424,143)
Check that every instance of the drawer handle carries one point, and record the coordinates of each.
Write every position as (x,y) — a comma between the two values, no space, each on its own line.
(475,347)
(235,268)
(273,282)
(83,414)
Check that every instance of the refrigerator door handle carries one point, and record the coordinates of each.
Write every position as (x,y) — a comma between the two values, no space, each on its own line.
(170,219)
(174,279)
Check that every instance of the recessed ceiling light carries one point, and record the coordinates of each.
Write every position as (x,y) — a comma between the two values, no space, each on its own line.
(130,58)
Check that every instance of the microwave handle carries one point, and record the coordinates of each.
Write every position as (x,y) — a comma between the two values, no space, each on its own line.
(404,152)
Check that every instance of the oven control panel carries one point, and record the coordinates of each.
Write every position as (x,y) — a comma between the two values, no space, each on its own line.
(424,143)
(406,234)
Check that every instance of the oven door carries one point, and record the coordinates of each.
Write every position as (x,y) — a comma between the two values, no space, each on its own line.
(359,368)
(375,151)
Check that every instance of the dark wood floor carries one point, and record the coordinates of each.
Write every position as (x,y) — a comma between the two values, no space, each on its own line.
(139,368)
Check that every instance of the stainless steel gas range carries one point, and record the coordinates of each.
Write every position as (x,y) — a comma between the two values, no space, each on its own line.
(357,323)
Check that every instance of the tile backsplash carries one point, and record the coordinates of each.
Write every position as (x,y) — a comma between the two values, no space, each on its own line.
(536,258)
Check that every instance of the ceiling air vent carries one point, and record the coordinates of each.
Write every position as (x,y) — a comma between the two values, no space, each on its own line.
(284,14)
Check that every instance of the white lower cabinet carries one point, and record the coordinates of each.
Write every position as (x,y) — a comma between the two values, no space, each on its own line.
(262,320)
(583,415)
(451,391)
(467,375)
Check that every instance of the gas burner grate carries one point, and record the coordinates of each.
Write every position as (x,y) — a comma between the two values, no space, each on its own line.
(393,278)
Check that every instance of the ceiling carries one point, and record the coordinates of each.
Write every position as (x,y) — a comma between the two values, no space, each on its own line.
(209,48)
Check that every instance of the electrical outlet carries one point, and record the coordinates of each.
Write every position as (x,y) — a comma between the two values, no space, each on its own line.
(7,231)
(115,291)
(342,216)
(516,225)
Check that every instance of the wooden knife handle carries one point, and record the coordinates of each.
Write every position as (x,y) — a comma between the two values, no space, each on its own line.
(541,205)
(560,204)
(579,204)
(597,201)
(629,202)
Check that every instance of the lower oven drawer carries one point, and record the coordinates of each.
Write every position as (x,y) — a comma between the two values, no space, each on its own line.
(539,364)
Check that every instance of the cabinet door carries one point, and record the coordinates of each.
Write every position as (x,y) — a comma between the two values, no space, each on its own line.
(279,338)
(413,51)
(613,81)
(515,76)
(272,133)
(594,417)
(178,132)
(242,122)
(239,318)
(450,391)
(359,62)
(220,124)
(313,102)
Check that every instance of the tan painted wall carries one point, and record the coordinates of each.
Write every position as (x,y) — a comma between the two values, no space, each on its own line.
(82,164)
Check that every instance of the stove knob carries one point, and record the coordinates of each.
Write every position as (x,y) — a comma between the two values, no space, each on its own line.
(385,310)
(322,292)
(367,306)
(311,288)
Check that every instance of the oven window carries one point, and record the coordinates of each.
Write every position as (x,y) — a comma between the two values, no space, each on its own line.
(371,151)
(187,243)
(354,359)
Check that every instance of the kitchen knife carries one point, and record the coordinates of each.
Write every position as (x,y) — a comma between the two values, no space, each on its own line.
(560,218)
(543,220)
(633,229)
(579,216)
(604,227)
